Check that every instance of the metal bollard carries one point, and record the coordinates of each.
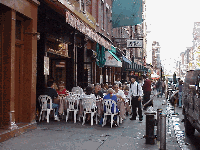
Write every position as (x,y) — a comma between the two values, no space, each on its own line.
(150,122)
(163,132)
(159,111)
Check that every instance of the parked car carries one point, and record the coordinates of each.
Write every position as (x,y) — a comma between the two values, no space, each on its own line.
(191,102)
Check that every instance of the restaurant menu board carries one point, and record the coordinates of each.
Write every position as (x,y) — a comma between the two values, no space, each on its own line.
(46,65)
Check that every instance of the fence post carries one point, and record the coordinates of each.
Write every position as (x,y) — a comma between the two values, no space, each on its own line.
(159,111)
(163,132)
(150,122)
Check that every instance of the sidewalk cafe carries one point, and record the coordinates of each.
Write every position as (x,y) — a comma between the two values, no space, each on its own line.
(79,103)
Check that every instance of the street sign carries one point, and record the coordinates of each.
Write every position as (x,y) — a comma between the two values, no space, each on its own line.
(134,43)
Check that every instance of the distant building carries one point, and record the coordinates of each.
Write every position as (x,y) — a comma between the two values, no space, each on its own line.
(156,62)
(196,45)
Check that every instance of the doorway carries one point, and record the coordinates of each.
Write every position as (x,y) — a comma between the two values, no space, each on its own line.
(19,50)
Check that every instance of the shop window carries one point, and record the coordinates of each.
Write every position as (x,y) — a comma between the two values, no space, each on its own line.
(59,46)
(58,70)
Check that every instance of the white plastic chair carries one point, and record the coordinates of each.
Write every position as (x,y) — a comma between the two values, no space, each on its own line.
(108,103)
(44,99)
(71,93)
(89,106)
(71,100)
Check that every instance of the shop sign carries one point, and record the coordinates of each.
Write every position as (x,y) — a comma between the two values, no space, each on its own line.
(79,25)
(63,50)
(134,43)
(111,61)
(46,65)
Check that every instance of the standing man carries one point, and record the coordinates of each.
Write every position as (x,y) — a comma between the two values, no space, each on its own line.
(180,88)
(147,92)
(159,88)
(135,94)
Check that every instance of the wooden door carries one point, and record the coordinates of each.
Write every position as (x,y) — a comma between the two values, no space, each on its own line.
(19,50)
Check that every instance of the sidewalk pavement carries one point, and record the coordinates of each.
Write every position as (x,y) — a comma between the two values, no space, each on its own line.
(62,135)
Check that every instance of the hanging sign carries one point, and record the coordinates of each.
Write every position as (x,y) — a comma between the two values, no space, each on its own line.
(134,43)
(46,65)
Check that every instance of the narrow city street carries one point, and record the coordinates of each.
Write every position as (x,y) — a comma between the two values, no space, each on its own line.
(62,135)
(83,56)
(177,124)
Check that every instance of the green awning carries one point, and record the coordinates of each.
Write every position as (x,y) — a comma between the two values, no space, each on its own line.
(100,56)
(126,13)
(114,56)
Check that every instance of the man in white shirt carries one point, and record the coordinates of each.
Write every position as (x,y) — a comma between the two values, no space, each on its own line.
(135,94)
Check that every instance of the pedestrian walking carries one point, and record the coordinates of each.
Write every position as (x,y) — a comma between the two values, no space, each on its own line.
(147,92)
(135,94)
(180,88)
(158,88)
(163,87)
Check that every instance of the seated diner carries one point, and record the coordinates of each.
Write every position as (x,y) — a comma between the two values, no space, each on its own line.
(54,96)
(111,96)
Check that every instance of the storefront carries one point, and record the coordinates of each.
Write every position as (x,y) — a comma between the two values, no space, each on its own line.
(68,37)
(18,52)
(133,69)
(55,55)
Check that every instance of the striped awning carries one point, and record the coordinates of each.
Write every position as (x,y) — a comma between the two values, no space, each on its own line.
(134,67)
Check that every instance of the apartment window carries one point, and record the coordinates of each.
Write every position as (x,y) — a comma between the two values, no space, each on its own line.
(82,5)
(102,14)
(107,20)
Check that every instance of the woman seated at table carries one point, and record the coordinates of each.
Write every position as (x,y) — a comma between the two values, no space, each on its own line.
(112,96)
(61,89)
(89,92)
